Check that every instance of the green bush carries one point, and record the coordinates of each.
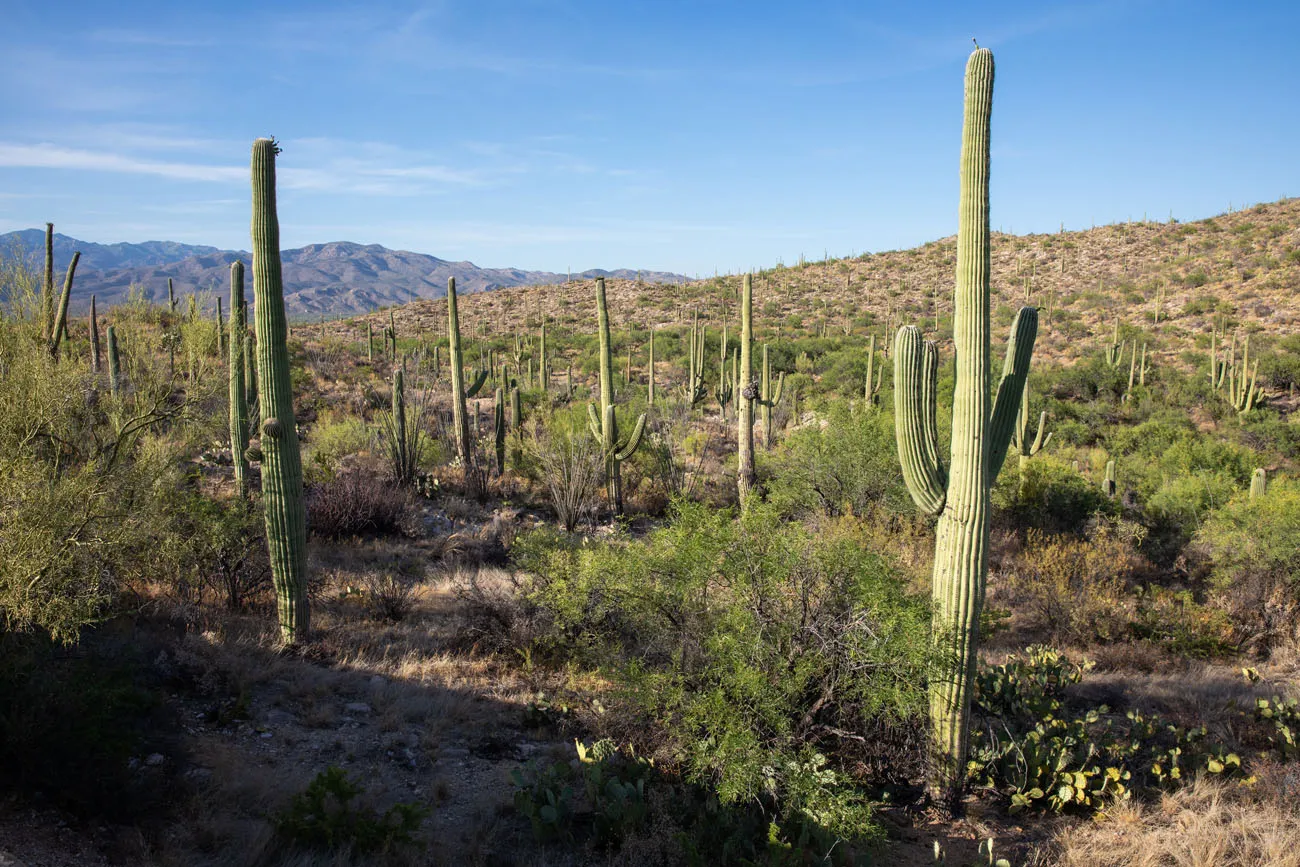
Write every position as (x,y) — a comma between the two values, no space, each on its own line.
(850,466)
(757,645)
(323,817)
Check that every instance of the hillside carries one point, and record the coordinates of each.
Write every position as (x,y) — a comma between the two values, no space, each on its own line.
(330,279)
(1234,269)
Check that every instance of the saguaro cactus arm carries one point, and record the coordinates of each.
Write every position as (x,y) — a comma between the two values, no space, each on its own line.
(916,369)
(61,321)
(633,441)
(1011,388)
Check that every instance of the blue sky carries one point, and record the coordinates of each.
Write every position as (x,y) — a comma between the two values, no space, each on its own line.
(684,136)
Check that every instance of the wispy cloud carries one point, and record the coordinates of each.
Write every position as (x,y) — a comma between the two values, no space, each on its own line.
(49,156)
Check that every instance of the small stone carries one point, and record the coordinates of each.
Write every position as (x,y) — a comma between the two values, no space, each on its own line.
(155,759)
(357,707)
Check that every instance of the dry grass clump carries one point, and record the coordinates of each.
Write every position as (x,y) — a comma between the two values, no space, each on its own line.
(1207,824)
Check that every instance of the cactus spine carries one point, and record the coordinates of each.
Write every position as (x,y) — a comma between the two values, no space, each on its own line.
(745,477)
(980,435)
(286,520)
(61,321)
(460,418)
(94,338)
(605,425)
(238,396)
(114,365)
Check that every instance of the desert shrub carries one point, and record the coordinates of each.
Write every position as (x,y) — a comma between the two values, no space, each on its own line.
(210,549)
(70,724)
(571,466)
(1049,495)
(333,437)
(761,647)
(389,596)
(355,504)
(1075,589)
(849,466)
(1253,549)
(323,816)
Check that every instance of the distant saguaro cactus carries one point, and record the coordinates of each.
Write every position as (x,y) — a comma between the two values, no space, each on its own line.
(238,395)
(460,416)
(94,338)
(282,493)
(981,433)
(114,365)
(768,399)
(61,321)
(605,425)
(745,476)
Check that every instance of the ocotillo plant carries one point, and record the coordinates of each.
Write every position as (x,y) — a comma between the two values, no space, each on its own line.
(767,398)
(94,338)
(745,476)
(959,494)
(1026,449)
(1258,483)
(282,496)
(61,321)
(114,365)
(460,418)
(604,425)
(238,396)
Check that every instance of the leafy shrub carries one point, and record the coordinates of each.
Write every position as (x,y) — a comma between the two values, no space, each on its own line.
(332,438)
(354,504)
(1049,495)
(1253,548)
(758,645)
(849,466)
(323,817)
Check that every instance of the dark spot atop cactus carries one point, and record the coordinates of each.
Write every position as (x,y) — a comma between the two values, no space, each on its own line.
(271,427)
(750,391)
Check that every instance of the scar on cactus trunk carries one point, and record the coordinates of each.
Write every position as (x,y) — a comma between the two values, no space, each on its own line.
(981,433)
(282,494)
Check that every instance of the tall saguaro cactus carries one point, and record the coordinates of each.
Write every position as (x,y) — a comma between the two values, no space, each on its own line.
(605,425)
(114,364)
(238,395)
(745,476)
(981,432)
(94,338)
(61,321)
(47,285)
(282,495)
(769,398)
(459,414)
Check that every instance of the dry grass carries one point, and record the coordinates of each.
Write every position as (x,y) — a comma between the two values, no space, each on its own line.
(1207,824)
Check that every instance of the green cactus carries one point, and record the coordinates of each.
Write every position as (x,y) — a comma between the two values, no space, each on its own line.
(238,396)
(745,476)
(650,373)
(767,398)
(221,332)
(459,393)
(499,429)
(726,391)
(114,365)
(61,321)
(94,339)
(604,426)
(47,286)
(250,364)
(516,410)
(981,433)
(694,389)
(1243,393)
(543,361)
(1108,484)
(286,520)
(171,297)
(1025,448)
(1258,483)
(370,342)
(871,390)
(1115,349)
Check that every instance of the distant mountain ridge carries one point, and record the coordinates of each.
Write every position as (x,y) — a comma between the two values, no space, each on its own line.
(334,279)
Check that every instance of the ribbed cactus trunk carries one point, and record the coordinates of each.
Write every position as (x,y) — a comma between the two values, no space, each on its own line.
(171,296)
(114,364)
(47,285)
(981,433)
(604,425)
(238,394)
(1258,483)
(459,416)
(282,494)
(60,327)
(499,429)
(94,339)
(745,475)
(543,363)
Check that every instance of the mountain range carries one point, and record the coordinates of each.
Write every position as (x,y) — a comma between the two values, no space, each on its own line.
(334,279)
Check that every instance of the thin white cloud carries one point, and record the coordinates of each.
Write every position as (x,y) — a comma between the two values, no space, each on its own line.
(48,156)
